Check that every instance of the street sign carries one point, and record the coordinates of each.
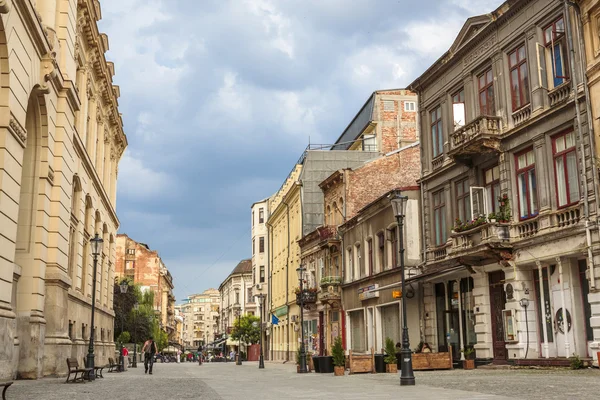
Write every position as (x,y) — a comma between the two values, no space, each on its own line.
(397,294)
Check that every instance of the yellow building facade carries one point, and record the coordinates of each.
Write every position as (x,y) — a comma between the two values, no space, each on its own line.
(285,229)
(61,139)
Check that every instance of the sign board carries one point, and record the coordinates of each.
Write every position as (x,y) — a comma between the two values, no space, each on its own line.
(397,294)
(368,292)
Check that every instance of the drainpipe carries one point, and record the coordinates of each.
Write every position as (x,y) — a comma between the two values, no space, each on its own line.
(270,275)
(592,138)
(287,281)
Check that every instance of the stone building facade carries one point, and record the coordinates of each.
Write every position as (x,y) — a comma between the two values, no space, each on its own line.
(236,296)
(137,263)
(61,139)
(260,264)
(200,314)
(510,193)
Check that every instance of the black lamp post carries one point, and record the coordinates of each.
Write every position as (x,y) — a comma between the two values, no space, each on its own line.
(300,271)
(261,360)
(407,377)
(123,288)
(136,307)
(239,316)
(96,243)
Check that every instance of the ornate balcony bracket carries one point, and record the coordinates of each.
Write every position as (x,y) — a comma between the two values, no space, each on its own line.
(482,135)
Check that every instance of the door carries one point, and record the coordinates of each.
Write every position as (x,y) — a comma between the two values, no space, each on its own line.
(321,333)
(497,304)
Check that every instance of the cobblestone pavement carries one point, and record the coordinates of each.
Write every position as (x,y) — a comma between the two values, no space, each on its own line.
(279,381)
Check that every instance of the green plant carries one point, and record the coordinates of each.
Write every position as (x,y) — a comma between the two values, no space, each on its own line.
(339,360)
(491,216)
(460,226)
(576,362)
(390,352)
(124,337)
(467,351)
(244,329)
(504,212)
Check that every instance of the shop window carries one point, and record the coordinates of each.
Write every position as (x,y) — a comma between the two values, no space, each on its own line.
(526,184)
(357,330)
(565,167)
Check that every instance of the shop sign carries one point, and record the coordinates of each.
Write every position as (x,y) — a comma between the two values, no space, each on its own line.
(368,292)
(281,311)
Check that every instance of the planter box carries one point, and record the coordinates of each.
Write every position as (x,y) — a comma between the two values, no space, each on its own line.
(391,368)
(316,363)
(362,363)
(429,361)
(468,364)
(326,364)
(339,371)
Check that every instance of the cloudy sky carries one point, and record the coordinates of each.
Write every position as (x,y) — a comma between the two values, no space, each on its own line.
(220,98)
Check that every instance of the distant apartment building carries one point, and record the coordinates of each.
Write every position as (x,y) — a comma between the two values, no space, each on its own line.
(236,295)
(142,266)
(200,314)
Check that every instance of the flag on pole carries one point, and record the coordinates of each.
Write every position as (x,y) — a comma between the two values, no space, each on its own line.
(274,319)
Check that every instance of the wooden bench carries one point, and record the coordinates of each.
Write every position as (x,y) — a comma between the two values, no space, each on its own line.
(73,366)
(97,369)
(5,385)
(112,366)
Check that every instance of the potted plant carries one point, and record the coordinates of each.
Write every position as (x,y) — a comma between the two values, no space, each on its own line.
(492,217)
(339,360)
(468,362)
(390,356)
(504,213)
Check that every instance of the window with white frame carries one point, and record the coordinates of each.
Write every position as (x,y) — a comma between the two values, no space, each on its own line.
(565,166)
(556,54)
(350,264)
(526,184)
(410,106)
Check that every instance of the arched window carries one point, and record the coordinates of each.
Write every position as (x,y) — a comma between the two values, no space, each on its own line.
(334,219)
(328,220)
(73,234)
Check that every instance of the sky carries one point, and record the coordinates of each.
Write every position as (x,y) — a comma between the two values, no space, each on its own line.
(221,97)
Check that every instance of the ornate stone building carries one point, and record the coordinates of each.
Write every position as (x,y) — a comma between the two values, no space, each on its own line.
(61,139)
(200,315)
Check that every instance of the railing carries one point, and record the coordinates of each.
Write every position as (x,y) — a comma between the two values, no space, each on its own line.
(437,162)
(566,217)
(525,229)
(481,127)
(481,234)
(331,280)
(522,115)
(560,93)
(306,297)
(438,253)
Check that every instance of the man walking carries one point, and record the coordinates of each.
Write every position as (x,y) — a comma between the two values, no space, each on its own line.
(149,350)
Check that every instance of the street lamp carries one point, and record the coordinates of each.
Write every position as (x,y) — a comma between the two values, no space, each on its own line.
(136,307)
(407,377)
(239,315)
(261,360)
(123,286)
(96,243)
(300,271)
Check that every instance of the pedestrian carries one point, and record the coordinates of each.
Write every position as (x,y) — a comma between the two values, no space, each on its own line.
(126,356)
(232,355)
(200,355)
(149,350)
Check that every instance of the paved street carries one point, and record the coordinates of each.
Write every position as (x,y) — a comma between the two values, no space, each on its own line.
(278,381)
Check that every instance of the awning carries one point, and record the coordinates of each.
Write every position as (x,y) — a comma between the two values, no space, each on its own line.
(425,276)
(170,349)
(232,342)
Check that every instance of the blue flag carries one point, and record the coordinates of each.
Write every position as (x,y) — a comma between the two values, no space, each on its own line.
(274,319)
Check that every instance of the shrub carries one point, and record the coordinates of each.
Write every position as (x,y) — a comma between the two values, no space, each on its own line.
(339,359)
(576,362)
(390,352)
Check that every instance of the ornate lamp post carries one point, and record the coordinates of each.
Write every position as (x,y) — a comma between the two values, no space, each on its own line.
(123,288)
(300,271)
(261,360)
(96,243)
(136,307)
(407,377)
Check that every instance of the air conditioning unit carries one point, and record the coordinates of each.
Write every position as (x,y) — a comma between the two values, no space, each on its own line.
(258,286)
(294,318)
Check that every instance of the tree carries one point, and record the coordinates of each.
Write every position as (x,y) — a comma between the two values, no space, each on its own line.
(244,329)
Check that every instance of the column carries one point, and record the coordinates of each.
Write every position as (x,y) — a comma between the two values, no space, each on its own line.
(82,114)
(91,128)
(535,51)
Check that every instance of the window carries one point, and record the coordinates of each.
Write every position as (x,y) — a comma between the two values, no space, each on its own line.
(370,256)
(491,177)
(252,218)
(439,218)
(554,40)
(389,105)
(261,245)
(519,81)
(248,294)
(350,265)
(253,245)
(463,200)
(261,215)
(369,142)
(322,267)
(394,241)
(381,245)
(526,184)
(410,106)
(458,108)
(262,274)
(361,270)
(565,168)
(237,298)
(131,252)
(486,94)
(437,137)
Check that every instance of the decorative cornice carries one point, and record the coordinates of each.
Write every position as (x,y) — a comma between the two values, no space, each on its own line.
(33,25)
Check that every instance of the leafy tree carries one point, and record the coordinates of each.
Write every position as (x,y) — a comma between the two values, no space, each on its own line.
(243,329)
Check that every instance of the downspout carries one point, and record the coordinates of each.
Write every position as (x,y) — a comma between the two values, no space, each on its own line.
(592,138)
(287,281)
(269,274)
(586,211)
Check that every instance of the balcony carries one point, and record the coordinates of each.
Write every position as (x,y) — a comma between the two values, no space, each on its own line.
(482,135)
(330,290)
(307,296)
(553,222)
(480,245)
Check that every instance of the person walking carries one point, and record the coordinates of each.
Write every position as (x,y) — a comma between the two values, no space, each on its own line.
(126,356)
(149,350)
